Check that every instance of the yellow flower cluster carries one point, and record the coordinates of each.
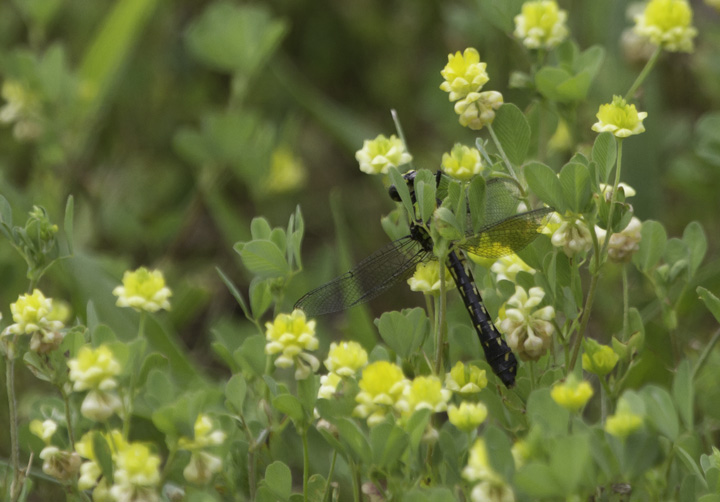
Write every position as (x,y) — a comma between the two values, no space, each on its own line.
(143,289)
(619,118)
(381,387)
(465,76)
(202,465)
(541,24)
(95,370)
(466,379)
(291,336)
(462,162)
(668,24)
(571,395)
(346,358)
(490,484)
(377,156)
(426,278)
(528,330)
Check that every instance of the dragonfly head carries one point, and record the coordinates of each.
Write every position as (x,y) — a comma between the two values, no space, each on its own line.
(409,178)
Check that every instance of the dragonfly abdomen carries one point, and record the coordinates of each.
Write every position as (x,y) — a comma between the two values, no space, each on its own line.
(498,355)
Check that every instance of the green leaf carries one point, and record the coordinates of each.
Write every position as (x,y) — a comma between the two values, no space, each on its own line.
(425,193)
(711,301)
(279,479)
(5,212)
(691,465)
(570,460)
(103,456)
(388,443)
(476,201)
(264,259)
(513,132)
(545,413)
(575,184)
(684,393)
(402,189)
(251,354)
(235,37)
(307,390)
(405,331)
(235,392)
(661,411)
(289,405)
(260,296)
(351,435)
(544,183)
(536,479)
(260,228)
(604,154)
(651,247)
(234,292)
(69,222)
(694,237)
(152,361)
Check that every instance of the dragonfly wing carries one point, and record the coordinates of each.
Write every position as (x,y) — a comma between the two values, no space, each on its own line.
(508,236)
(366,280)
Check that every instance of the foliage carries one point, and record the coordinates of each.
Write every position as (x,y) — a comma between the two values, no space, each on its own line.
(162,148)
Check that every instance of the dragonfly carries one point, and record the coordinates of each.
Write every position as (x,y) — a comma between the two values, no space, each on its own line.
(503,232)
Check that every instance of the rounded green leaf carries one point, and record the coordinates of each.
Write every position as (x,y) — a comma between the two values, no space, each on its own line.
(264,259)
(513,132)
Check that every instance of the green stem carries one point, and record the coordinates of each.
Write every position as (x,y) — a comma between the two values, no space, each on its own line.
(68,417)
(506,161)
(706,353)
(599,261)
(16,486)
(306,463)
(626,305)
(644,73)
(440,328)
(331,473)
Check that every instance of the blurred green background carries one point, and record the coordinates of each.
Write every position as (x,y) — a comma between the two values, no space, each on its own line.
(174,123)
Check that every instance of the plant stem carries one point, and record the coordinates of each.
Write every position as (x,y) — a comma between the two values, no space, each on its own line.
(706,353)
(331,473)
(306,463)
(599,262)
(16,485)
(68,417)
(506,161)
(626,305)
(644,73)
(440,333)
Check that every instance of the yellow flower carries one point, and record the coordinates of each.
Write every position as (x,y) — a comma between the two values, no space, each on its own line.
(346,358)
(328,385)
(424,393)
(606,190)
(463,74)
(528,330)
(202,467)
(468,416)
(99,405)
(287,172)
(462,162)
(381,386)
(44,430)
(136,474)
(478,467)
(143,289)
(90,471)
(619,118)
(426,278)
(624,422)
(205,435)
(571,394)
(94,369)
(598,359)
(465,379)
(477,109)
(667,23)
(521,452)
(572,235)
(623,244)
(60,464)
(23,108)
(381,153)
(32,313)
(292,335)
(541,24)
(507,268)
